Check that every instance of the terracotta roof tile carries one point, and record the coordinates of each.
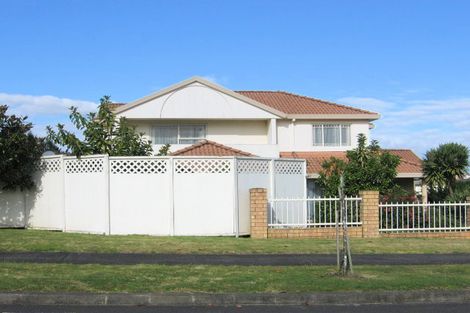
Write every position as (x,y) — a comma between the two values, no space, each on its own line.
(410,162)
(290,103)
(210,148)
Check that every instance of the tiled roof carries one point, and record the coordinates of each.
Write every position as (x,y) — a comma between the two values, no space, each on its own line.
(290,103)
(410,162)
(210,148)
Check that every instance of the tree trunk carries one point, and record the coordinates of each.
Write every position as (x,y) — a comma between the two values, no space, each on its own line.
(345,253)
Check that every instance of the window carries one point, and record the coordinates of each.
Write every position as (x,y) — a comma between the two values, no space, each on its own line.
(178,134)
(331,135)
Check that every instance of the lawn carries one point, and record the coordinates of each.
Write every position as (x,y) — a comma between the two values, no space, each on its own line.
(161,278)
(37,240)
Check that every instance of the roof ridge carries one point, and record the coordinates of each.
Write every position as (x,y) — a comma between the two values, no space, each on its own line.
(309,98)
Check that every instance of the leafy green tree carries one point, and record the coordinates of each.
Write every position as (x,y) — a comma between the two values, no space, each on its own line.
(164,150)
(20,151)
(444,165)
(102,133)
(366,168)
(330,176)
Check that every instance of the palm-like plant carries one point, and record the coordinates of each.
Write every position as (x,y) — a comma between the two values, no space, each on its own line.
(442,166)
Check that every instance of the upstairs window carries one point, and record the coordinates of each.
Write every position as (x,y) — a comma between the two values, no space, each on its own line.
(333,135)
(178,134)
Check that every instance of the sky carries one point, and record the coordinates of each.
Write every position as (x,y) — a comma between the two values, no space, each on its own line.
(408,60)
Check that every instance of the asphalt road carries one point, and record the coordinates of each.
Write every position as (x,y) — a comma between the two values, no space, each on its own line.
(231,259)
(391,308)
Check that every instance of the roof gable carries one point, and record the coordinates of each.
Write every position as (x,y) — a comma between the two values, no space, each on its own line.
(197,98)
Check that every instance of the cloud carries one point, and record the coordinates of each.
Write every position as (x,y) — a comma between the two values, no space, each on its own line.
(418,124)
(44,110)
(43,105)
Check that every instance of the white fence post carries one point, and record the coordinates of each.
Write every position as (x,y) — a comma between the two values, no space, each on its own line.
(107,191)
(62,191)
(172,194)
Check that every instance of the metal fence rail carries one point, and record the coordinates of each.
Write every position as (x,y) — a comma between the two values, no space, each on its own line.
(423,217)
(314,212)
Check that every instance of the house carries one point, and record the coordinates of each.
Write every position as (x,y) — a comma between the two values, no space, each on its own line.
(199,117)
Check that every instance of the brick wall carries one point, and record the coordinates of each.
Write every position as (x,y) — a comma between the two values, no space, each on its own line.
(370,213)
(319,232)
(259,212)
(369,217)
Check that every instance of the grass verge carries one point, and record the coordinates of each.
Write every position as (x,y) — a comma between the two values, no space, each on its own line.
(160,278)
(36,240)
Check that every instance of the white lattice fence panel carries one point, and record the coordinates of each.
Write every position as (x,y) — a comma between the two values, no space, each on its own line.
(210,166)
(139,166)
(79,166)
(50,165)
(288,167)
(253,167)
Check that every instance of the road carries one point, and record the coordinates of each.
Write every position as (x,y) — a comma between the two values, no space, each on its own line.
(390,308)
(231,259)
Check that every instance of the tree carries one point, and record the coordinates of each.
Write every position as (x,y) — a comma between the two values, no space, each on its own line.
(103,133)
(366,168)
(442,166)
(20,151)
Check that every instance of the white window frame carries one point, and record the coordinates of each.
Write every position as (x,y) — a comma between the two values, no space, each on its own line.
(178,134)
(322,127)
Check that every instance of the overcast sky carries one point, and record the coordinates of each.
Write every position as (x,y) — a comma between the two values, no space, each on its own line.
(408,60)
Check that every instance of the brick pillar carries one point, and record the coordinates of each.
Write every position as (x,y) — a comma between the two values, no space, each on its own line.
(468,212)
(370,213)
(259,212)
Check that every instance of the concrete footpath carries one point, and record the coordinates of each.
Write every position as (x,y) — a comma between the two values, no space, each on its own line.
(229,299)
(231,259)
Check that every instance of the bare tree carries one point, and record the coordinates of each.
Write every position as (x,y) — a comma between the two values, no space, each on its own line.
(343,254)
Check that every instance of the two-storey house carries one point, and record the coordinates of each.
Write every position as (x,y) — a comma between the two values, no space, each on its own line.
(199,117)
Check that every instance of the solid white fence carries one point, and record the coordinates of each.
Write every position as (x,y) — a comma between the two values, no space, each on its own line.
(314,212)
(148,195)
(423,217)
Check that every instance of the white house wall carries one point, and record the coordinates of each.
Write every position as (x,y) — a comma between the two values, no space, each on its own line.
(196,101)
(226,132)
(298,135)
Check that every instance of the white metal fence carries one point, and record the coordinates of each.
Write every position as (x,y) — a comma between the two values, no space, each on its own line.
(149,195)
(423,217)
(314,212)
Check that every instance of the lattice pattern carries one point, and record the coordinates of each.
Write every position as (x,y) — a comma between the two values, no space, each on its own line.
(50,165)
(212,166)
(84,166)
(288,167)
(253,167)
(139,166)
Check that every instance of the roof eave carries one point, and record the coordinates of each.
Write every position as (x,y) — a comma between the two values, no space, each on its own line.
(369,117)
(409,175)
